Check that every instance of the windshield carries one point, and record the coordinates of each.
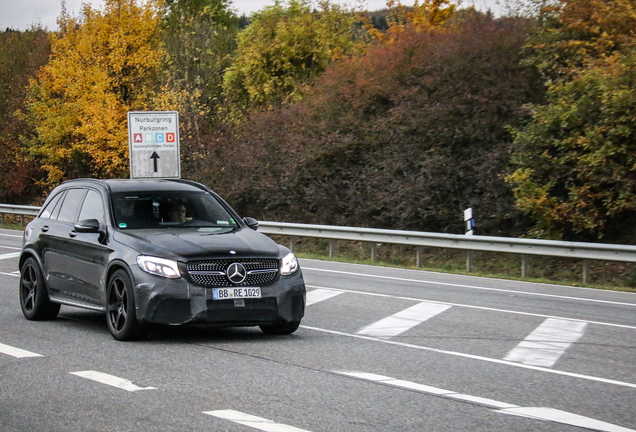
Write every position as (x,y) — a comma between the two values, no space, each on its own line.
(170,209)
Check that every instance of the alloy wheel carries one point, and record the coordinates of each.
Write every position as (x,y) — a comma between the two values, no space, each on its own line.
(118,304)
(29,287)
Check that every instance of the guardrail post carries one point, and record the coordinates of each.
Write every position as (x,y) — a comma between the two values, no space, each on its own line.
(374,251)
(22,220)
(525,266)
(586,271)
(292,243)
(332,247)
(469,261)
(2,219)
(418,258)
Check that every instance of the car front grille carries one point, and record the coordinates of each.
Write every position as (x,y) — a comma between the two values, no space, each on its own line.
(212,273)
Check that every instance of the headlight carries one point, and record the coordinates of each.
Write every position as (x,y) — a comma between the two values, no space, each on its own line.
(289,265)
(159,266)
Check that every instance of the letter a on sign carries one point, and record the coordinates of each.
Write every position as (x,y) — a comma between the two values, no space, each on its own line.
(138,138)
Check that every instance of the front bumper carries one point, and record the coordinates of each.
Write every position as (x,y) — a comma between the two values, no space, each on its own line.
(177,301)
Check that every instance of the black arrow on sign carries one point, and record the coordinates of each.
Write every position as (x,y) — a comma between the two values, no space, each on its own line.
(154,157)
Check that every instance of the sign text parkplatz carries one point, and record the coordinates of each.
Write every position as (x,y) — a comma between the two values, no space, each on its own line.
(153,138)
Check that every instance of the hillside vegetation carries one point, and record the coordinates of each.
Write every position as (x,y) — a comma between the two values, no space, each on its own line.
(313,112)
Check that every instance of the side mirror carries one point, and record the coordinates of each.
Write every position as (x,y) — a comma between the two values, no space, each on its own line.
(251,223)
(87,226)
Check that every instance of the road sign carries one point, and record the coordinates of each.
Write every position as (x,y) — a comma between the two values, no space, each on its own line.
(153,140)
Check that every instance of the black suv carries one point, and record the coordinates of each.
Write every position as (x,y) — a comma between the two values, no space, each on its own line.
(156,252)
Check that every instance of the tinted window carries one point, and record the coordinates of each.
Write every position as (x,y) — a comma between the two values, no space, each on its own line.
(71,204)
(50,207)
(171,209)
(93,207)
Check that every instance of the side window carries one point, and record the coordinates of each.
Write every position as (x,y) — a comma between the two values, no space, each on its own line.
(93,207)
(50,207)
(56,211)
(71,204)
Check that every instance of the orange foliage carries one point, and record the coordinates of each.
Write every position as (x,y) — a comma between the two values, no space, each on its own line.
(427,16)
(103,65)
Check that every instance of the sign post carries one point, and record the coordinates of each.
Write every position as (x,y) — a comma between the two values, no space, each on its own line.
(470,224)
(153,140)
(469,221)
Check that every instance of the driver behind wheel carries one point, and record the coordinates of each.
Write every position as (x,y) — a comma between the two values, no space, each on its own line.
(177,213)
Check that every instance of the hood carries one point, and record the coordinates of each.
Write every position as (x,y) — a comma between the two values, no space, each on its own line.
(189,243)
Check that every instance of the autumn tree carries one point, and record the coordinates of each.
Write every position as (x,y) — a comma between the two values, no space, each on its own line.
(576,159)
(405,137)
(429,15)
(283,49)
(103,65)
(21,56)
(199,36)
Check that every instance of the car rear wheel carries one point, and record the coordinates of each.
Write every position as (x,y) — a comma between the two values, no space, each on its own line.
(34,297)
(280,329)
(120,309)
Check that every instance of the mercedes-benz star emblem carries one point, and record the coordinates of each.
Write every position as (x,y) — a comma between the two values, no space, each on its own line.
(236,273)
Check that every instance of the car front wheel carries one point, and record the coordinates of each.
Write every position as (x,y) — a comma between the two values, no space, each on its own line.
(34,297)
(120,309)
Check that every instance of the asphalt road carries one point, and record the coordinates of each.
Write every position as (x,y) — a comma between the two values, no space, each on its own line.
(379,350)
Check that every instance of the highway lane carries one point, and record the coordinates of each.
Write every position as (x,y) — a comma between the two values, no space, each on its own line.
(379,350)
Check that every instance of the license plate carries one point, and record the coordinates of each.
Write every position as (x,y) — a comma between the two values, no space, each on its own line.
(235,293)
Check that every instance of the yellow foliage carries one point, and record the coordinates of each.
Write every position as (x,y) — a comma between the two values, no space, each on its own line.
(422,17)
(103,65)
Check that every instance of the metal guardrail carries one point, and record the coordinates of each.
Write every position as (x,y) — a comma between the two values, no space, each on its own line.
(20,210)
(523,247)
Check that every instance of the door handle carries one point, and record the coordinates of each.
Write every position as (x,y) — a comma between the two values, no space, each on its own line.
(72,233)
(45,228)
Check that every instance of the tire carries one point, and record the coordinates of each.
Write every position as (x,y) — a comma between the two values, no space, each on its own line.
(120,309)
(34,296)
(280,329)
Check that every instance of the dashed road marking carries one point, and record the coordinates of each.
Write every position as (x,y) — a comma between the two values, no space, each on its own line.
(110,380)
(539,413)
(482,308)
(253,421)
(564,417)
(16,352)
(318,295)
(475,357)
(545,345)
(404,320)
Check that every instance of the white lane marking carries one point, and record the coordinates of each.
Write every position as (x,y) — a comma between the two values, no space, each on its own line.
(16,352)
(564,417)
(253,421)
(547,343)
(538,413)
(409,385)
(404,320)
(476,357)
(10,235)
(478,307)
(16,274)
(9,255)
(110,380)
(318,295)
(474,287)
